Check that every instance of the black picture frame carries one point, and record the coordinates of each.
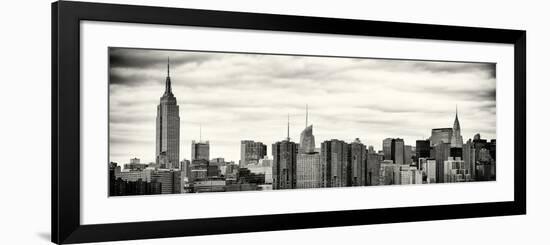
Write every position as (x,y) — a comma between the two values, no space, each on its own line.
(66,18)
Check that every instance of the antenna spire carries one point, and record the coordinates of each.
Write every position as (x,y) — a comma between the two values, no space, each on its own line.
(306,115)
(168,89)
(200,132)
(288,127)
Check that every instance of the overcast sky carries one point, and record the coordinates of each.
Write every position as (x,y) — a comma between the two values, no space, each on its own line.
(248,96)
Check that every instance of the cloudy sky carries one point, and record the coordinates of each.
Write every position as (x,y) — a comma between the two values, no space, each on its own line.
(248,96)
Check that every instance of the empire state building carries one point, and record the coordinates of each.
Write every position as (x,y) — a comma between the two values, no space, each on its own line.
(168,127)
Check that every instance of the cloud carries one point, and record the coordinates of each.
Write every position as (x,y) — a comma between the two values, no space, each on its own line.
(489,69)
(145,59)
(249,96)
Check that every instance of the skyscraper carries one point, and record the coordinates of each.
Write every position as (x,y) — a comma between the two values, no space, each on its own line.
(200,150)
(408,155)
(440,135)
(284,163)
(372,168)
(307,140)
(251,152)
(485,158)
(308,170)
(422,149)
(308,162)
(456,137)
(335,166)
(469,157)
(398,151)
(168,125)
(386,148)
(358,157)
(430,171)
(442,153)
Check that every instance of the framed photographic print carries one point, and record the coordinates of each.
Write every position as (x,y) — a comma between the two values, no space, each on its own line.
(177,122)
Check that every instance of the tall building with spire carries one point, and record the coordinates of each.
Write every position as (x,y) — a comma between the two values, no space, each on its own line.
(307,140)
(200,150)
(308,162)
(168,126)
(284,162)
(456,136)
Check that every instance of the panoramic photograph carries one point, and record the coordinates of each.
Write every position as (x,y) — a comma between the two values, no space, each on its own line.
(183,121)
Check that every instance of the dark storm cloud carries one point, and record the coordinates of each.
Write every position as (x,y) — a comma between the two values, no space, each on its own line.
(133,79)
(448,67)
(400,109)
(489,107)
(223,103)
(144,59)
(485,94)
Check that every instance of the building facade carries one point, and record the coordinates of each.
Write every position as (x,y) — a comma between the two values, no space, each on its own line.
(308,170)
(252,152)
(469,157)
(200,150)
(442,153)
(441,135)
(261,169)
(422,149)
(386,148)
(389,173)
(170,181)
(335,163)
(134,175)
(308,161)
(198,170)
(135,165)
(405,175)
(168,125)
(485,158)
(430,171)
(398,151)
(358,161)
(307,140)
(284,164)
(372,169)
(417,177)
(455,170)
(408,154)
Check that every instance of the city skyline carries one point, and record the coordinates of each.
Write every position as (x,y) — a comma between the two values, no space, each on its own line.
(236,97)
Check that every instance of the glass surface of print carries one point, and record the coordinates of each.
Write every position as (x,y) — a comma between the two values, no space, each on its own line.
(194,121)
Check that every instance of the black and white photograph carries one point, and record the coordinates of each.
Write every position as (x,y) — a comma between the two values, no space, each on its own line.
(188,121)
(275,122)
